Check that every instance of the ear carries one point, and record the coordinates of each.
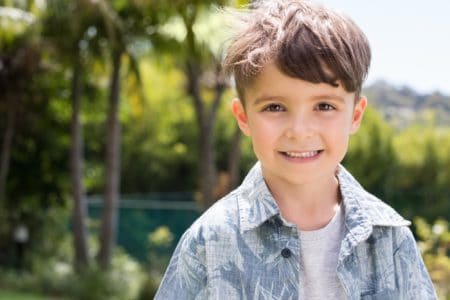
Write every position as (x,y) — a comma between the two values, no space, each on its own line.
(240,116)
(358,113)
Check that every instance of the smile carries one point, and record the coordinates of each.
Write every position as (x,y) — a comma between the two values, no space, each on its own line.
(307,154)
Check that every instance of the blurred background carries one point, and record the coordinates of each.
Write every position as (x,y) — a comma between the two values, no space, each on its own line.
(116,133)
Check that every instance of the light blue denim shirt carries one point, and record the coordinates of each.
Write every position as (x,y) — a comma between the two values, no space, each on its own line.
(242,248)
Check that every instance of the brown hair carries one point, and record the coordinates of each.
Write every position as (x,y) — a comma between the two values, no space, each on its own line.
(305,40)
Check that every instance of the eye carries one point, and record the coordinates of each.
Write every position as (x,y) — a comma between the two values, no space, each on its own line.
(274,108)
(325,107)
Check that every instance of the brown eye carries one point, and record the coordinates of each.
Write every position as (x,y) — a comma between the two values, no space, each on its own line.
(325,107)
(274,108)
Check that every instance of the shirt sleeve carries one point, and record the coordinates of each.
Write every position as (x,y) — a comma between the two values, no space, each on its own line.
(413,279)
(185,277)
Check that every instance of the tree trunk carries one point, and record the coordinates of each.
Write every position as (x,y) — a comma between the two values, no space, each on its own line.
(76,160)
(208,172)
(234,159)
(109,214)
(206,116)
(5,155)
(205,122)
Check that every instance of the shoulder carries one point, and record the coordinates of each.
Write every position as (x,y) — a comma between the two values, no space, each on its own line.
(196,253)
(380,213)
(387,225)
(222,217)
(393,237)
(243,209)
(367,207)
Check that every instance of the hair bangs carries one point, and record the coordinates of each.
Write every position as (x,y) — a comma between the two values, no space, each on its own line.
(300,56)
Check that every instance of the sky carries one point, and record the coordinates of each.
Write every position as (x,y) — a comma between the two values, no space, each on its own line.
(410,40)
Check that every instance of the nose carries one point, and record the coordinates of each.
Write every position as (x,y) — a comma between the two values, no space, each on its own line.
(299,126)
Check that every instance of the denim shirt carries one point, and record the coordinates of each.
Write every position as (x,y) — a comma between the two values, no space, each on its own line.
(242,248)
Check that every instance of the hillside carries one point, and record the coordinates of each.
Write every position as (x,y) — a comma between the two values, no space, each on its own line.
(403,105)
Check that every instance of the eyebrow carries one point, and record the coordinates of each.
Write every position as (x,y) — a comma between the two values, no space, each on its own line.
(316,97)
(329,97)
(266,98)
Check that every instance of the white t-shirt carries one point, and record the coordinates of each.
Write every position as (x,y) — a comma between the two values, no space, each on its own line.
(319,250)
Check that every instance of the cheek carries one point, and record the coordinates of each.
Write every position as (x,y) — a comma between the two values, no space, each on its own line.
(337,130)
(261,126)
(263,135)
(337,123)
(345,122)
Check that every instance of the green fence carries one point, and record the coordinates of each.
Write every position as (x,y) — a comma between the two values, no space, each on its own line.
(140,215)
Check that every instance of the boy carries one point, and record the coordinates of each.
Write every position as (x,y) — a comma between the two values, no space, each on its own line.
(299,226)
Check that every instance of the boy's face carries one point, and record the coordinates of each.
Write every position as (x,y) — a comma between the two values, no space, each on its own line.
(299,130)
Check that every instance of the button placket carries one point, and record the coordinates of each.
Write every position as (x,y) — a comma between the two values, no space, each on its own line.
(287,235)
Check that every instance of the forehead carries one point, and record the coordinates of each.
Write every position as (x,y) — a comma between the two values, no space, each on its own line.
(272,83)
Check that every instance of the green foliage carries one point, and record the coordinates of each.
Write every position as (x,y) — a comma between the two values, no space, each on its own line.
(57,279)
(160,243)
(159,142)
(160,237)
(16,26)
(94,284)
(407,168)
(435,247)
(53,243)
(422,180)
(38,283)
(149,288)
(38,177)
(371,157)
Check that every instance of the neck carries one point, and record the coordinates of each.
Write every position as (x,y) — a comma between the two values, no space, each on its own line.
(310,205)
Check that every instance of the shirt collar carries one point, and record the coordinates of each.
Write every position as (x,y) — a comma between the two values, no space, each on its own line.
(256,203)
(363,207)
(362,210)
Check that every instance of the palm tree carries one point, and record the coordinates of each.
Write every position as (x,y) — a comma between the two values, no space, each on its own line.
(119,25)
(65,27)
(202,66)
(15,69)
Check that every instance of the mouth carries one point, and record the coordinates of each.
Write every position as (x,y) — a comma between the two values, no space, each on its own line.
(304,154)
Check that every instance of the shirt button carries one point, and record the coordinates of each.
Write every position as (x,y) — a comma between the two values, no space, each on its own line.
(286,253)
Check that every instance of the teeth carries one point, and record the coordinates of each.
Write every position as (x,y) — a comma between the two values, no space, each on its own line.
(302,154)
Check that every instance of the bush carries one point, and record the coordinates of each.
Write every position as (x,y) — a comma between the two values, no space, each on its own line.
(149,288)
(122,281)
(435,247)
(93,284)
